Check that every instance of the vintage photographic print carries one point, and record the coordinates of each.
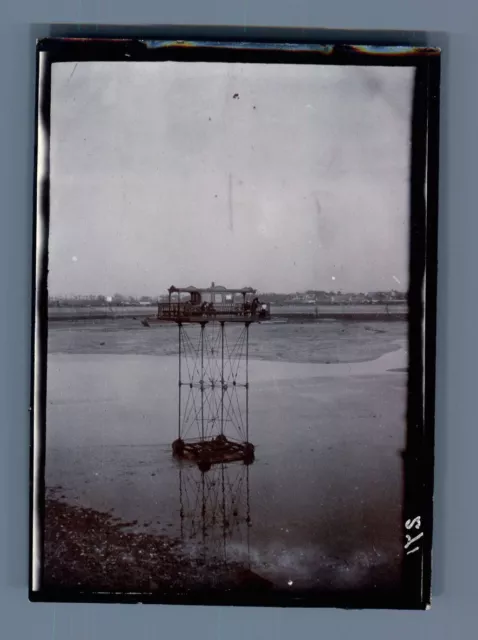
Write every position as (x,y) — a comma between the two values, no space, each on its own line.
(234,323)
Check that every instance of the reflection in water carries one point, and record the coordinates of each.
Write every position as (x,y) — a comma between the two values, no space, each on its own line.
(215,514)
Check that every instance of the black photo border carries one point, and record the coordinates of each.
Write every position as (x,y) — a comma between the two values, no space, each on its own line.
(418,456)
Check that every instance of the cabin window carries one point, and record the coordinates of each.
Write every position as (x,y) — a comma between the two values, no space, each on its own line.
(218,298)
(195,298)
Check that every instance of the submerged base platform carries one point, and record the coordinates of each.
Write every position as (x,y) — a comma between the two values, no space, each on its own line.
(213,451)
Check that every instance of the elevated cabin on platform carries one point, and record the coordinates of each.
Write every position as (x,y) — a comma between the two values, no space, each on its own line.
(192,304)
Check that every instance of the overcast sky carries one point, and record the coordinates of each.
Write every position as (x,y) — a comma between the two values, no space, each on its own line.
(160,176)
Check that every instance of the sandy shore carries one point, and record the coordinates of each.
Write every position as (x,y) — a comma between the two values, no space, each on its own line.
(326,342)
(91,550)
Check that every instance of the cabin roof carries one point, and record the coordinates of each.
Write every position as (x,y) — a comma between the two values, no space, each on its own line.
(215,289)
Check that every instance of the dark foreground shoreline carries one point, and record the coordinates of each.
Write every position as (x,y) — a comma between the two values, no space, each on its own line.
(93,551)
(90,550)
(88,556)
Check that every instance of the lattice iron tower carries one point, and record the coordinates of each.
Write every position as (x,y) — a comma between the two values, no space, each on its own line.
(213,371)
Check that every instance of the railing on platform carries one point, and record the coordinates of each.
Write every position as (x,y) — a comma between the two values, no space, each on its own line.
(184,310)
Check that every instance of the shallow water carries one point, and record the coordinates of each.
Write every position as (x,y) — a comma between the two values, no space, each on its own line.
(319,507)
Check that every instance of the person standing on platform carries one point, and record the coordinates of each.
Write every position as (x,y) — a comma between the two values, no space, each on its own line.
(254,306)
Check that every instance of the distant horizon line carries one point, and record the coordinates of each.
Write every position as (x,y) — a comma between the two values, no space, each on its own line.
(261,291)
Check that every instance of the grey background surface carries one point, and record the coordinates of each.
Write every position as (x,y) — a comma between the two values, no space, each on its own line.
(454,612)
